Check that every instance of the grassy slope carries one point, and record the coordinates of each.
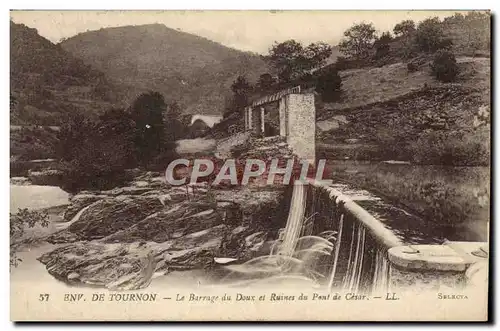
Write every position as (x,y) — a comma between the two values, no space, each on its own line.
(388,105)
(361,87)
(388,110)
(189,69)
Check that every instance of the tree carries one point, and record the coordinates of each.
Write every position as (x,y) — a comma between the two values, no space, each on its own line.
(444,67)
(96,153)
(285,57)
(477,26)
(329,85)
(147,113)
(116,121)
(405,31)
(240,86)
(358,40)
(74,130)
(118,127)
(173,110)
(316,55)
(241,91)
(382,45)
(19,223)
(291,60)
(175,128)
(265,82)
(430,36)
(404,28)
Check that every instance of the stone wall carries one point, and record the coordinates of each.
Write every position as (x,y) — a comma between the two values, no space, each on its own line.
(301,125)
(297,122)
(435,267)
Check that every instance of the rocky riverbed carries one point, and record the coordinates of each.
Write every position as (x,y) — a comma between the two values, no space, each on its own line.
(122,238)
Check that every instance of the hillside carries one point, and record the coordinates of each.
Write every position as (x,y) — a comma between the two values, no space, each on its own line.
(388,112)
(47,82)
(194,71)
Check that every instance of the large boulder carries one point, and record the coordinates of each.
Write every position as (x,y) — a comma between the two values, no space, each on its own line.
(80,201)
(259,207)
(149,180)
(144,183)
(94,215)
(107,217)
(114,266)
(129,190)
(193,251)
(243,243)
(119,242)
(123,266)
(174,222)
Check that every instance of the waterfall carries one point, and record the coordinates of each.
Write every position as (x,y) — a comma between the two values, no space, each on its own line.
(295,221)
(381,273)
(355,263)
(295,258)
(336,252)
(338,247)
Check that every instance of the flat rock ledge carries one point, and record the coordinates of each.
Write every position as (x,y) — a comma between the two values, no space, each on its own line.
(122,241)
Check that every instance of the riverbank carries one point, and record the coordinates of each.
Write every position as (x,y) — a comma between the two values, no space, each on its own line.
(128,237)
(453,197)
(124,238)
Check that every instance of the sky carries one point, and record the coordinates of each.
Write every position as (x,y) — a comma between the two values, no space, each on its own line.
(253,31)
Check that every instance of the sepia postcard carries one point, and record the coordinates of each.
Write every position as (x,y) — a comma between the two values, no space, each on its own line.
(250,165)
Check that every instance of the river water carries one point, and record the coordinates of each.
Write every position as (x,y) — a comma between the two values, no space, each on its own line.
(36,197)
(30,273)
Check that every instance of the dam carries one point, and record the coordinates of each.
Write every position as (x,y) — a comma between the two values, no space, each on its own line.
(330,238)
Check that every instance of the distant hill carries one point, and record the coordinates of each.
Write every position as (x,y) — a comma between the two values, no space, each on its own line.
(47,82)
(194,71)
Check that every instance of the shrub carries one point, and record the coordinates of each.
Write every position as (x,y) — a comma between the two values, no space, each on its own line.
(412,67)
(162,160)
(382,45)
(95,154)
(99,166)
(444,67)
(430,36)
(19,221)
(416,63)
(33,143)
(452,148)
(329,85)
(358,40)
(341,63)
(265,82)
(148,125)
(306,81)
(23,218)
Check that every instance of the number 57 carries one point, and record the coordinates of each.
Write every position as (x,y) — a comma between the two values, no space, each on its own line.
(44,297)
